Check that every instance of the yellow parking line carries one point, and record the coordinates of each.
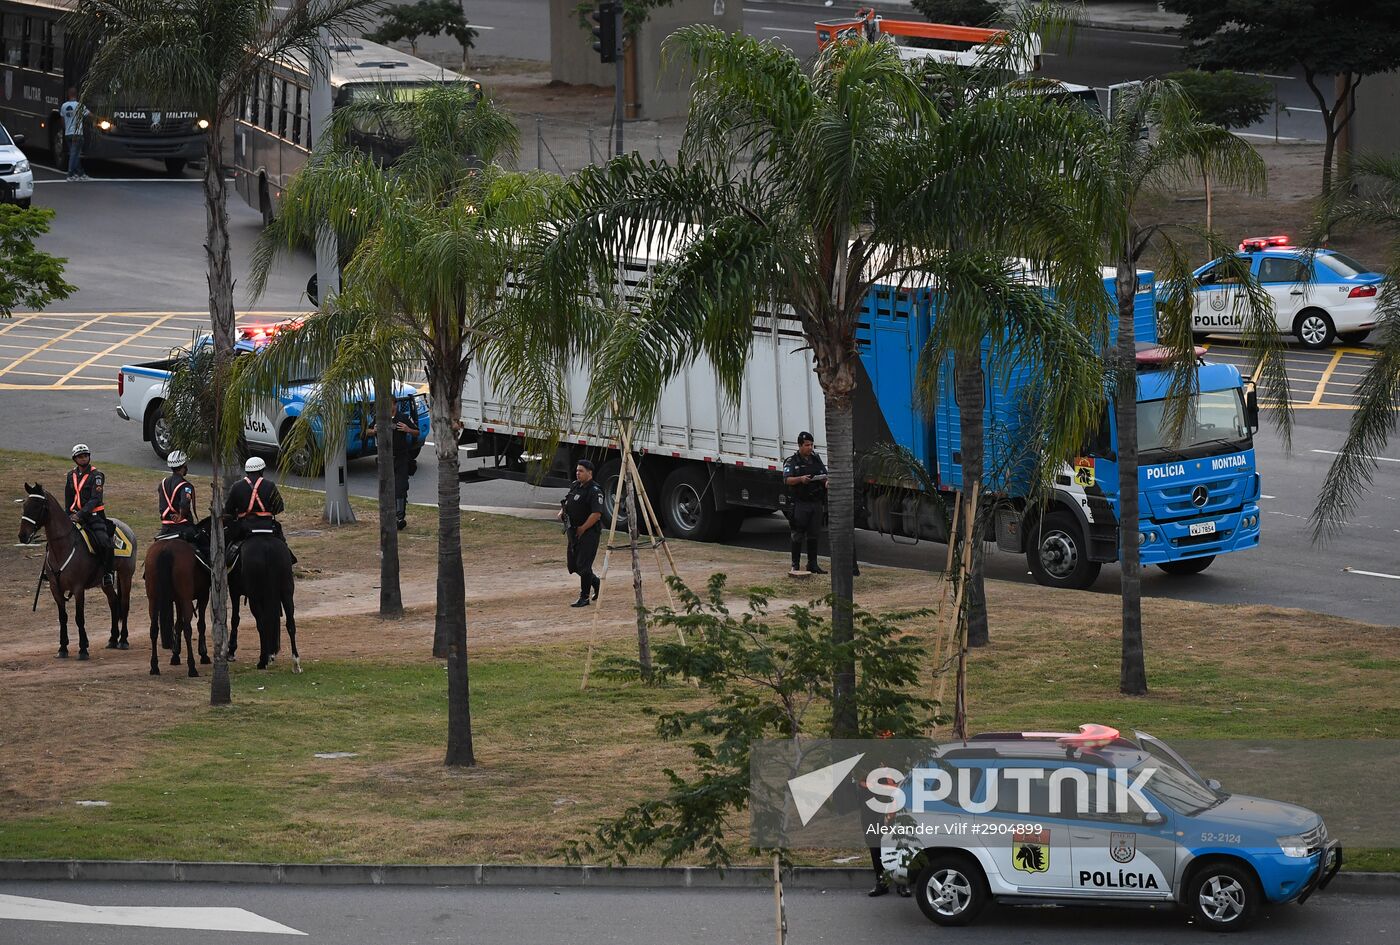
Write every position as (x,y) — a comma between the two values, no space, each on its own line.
(115,345)
(4,386)
(15,322)
(1326,376)
(46,345)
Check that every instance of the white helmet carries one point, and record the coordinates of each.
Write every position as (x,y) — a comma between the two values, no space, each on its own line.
(254,464)
(80,448)
(176,459)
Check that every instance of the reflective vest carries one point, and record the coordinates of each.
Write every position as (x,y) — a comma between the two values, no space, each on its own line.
(170,514)
(255,500)
(78,486)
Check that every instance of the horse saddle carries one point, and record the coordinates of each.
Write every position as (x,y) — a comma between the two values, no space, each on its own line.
(121,547)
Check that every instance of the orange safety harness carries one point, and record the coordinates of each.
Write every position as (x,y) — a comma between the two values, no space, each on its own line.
(255,499)
(171,515)
(78,485)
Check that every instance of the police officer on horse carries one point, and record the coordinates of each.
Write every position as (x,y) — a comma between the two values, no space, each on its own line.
(175,499)
(83,498)
(252,502)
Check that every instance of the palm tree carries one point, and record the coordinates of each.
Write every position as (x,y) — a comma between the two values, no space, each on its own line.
(1126,166)
(435,237)
(800,187)
(1371,195)
(205,53)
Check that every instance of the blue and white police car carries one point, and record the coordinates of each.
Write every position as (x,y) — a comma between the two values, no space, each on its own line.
(1318,298)
(1093,818)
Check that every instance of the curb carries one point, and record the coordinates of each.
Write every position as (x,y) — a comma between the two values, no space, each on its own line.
(497,874)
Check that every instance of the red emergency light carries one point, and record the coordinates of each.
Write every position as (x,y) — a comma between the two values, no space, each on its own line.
(1156,356)
(1252,244)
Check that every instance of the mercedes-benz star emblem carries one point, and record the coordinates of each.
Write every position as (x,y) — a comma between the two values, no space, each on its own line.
(1199,495)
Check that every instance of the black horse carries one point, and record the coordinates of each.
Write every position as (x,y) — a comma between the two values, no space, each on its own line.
(264,576)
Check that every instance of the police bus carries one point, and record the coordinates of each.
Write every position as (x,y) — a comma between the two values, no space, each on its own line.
(272,130)
(43,57)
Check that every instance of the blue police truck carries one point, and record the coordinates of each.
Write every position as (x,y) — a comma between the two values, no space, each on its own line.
(708,466)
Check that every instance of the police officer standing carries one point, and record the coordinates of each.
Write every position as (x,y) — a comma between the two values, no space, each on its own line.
(253,501)
(86,505)
(406,447)
(582,512)
(175,499)
(805,475)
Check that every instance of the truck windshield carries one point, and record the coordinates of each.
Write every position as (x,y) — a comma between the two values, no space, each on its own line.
(1215,423)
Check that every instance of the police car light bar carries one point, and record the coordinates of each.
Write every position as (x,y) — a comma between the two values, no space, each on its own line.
(1252,244)
(1157,356)
(1090,735)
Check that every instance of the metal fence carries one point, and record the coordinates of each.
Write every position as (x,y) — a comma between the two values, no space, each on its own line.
(563,146)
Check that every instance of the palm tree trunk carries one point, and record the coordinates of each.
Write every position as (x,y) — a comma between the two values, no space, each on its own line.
(1132,678)
(969,380)
(390,595)
(841,499)
(450,630)
(221,321)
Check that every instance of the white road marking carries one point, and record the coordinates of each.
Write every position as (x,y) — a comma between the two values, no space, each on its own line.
(1379,574)
(1269,75)
(1246,134)
(788,29)
(1262,496)
(126,180)
(1379,459)
(1132,42)
(1297,108)
(152,917)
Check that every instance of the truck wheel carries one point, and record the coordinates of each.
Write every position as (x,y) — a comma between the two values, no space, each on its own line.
(1057,554)
(1314,328)
(1189,566)
(607,478)
(1223,897)
(686,507)
(951,889)
(158,431)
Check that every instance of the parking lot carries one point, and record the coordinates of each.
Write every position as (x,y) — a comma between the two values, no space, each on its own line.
(1317,380)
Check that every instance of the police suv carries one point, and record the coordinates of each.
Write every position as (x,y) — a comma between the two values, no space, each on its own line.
(1093,818)
(1317,297)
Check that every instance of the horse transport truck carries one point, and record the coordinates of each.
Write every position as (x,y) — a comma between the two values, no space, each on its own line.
(707,465)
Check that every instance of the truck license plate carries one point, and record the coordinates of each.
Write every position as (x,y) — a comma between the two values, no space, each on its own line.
(1202,528)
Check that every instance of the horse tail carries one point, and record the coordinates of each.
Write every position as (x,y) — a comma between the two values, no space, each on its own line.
(165,597)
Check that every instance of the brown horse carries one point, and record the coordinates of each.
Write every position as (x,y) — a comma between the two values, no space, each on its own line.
(72,569)
(177,587)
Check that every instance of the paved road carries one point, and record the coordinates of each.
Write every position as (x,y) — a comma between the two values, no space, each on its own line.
(493,916)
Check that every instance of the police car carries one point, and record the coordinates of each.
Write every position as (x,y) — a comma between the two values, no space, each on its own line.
(1095,818)
(1318,300)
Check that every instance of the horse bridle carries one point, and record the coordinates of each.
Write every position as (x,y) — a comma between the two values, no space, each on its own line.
(38,526)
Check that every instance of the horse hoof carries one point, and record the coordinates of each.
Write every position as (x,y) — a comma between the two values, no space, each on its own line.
(194,673)
(111,644)
(63,652)
(175,660)
(82,655)
(296,665)
(231,658)
(123,645)
(262,664)
(155,670)
(204,660)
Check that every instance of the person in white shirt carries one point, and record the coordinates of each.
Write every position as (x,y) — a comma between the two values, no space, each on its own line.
(73,115)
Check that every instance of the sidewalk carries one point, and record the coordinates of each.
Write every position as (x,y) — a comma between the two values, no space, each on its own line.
(1139,16)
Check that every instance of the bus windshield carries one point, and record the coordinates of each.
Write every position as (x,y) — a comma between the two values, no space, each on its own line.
(1215,423)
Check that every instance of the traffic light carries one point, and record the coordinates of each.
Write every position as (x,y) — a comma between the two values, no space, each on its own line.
(607,30)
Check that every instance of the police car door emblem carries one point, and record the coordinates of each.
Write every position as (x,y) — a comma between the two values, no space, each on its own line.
(1122,847)
(1030,851)
(1217,301)
(155,119)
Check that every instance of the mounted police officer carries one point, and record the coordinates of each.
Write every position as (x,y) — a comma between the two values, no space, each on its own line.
(805,475)
(175,499)
(83,498)
(407,444)
(252,502)
(582,512)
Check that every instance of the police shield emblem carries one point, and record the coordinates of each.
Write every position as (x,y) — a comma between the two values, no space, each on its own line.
(1122,846)
(1217,300)
(1030,851)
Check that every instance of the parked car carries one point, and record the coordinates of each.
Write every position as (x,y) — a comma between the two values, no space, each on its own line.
(1318,297)
(16,177)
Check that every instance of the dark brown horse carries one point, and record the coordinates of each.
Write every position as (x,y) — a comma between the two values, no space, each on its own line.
(264,575)
(177,587)
(72,569)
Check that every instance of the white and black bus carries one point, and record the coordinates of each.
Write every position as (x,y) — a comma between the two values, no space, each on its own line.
(272,130)
(42,58)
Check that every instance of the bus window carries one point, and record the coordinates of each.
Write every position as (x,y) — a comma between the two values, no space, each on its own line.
(296,115)
(53,48)
(33,42)
(269,83)
(13,38)
(304,117)
(246,98)
(283,94)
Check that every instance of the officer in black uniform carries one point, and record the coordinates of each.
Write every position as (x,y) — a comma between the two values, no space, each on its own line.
(407,445)
(83,498)
(583,512)
(252,502)
(805,475)
(175,499)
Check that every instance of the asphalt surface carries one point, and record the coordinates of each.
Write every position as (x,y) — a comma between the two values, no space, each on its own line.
(135,252)
(495,916)
(1093,57)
